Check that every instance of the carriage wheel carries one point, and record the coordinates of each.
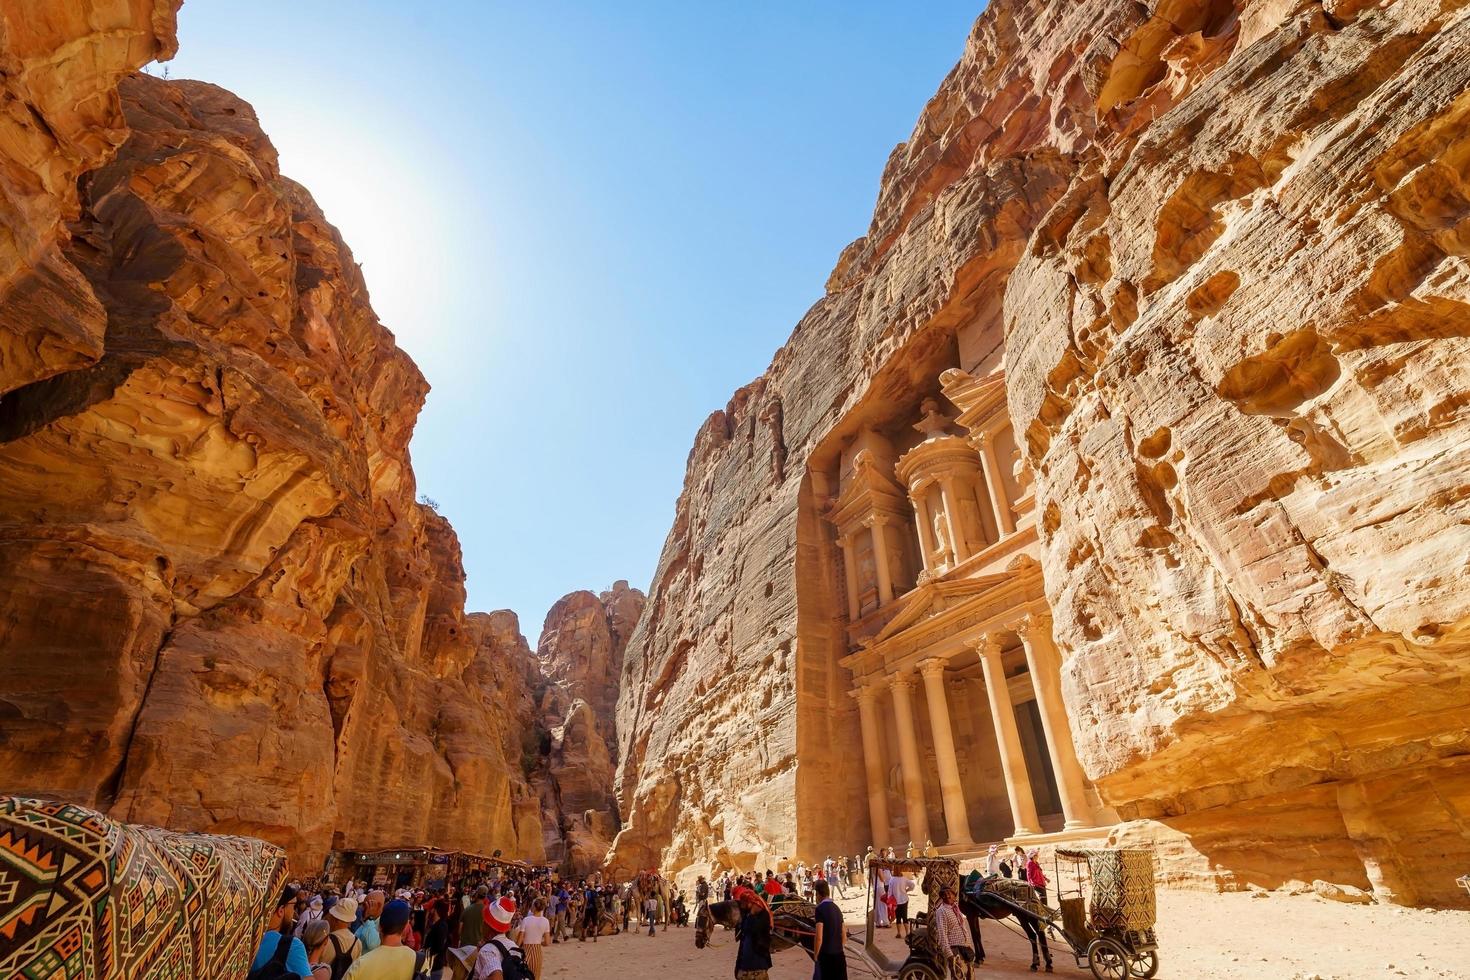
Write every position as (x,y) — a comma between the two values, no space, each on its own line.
(1144,965)
(918,971)
(1107,959)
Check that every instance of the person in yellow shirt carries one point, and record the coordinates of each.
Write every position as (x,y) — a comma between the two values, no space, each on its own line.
(392,960)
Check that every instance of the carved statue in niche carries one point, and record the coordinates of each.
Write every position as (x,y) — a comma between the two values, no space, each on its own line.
(943,553)
(1022,472)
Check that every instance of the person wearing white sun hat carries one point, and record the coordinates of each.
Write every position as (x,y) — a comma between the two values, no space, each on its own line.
(345,947)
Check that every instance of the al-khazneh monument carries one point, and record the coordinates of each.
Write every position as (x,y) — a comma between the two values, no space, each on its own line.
(1115,489)
(1118,481)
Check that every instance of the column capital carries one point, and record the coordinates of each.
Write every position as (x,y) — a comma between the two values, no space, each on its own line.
(933,667)
(1035,623)
(879,520)
(902,681)
(988,643)
(863,693)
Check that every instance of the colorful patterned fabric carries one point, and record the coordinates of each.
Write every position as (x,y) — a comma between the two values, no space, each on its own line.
(1122,889)
(85,896)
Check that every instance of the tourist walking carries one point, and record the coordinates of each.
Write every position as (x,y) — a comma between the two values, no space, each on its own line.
(952,935)
(531,935)
(279,931)
(899,887)
(1035,877)
(318,953)
(753,934)
(650,911)
(831,959)
(391,960)
(499,950)
(369,933)
(1018,863)
(345,948)
(436,937)
(880,899)
(472,920)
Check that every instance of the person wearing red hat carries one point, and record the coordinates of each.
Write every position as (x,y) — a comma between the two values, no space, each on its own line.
(753,956)
(499,948)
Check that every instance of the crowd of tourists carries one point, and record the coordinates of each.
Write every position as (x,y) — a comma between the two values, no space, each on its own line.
(493,927)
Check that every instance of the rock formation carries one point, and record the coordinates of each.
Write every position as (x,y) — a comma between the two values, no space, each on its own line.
(221,607)
(1215,255)
(580,661)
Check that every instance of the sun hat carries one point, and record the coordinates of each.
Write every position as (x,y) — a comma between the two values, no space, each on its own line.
(344,909)
(499,913)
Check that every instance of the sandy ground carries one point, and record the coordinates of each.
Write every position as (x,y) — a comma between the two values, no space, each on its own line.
(1201,936)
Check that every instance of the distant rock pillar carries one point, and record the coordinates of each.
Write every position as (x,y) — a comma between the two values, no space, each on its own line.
(1012,758)
(956,814)
(867,698)
(902,686)
(849,568)
(879,525)
(1046,678)
(994,484)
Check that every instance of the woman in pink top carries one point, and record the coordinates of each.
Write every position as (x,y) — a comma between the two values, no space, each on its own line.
(1035,876)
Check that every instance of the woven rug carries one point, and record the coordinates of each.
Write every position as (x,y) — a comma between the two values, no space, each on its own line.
(1122,889)
(82,896)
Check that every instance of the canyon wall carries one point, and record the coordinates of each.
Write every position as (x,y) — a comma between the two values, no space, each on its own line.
(1221,249)
(579,661)
(221,607)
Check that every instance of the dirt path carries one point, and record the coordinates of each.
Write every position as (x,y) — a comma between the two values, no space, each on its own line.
(1202,936)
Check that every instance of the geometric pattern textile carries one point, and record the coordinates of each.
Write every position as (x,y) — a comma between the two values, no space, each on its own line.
(83,896)
(1122,889)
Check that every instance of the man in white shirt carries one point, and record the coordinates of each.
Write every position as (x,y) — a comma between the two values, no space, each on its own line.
(490,964)
(899,887)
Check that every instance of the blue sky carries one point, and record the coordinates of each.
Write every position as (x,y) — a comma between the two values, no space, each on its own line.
(588,224)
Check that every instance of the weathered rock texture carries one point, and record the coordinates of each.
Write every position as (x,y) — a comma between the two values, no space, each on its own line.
(220,606)
(580,660)
(1227,245)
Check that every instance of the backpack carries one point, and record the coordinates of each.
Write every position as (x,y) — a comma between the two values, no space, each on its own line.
(275,967)
(341,958)
(512,962)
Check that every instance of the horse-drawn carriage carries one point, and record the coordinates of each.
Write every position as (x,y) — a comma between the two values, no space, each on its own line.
(1105,916)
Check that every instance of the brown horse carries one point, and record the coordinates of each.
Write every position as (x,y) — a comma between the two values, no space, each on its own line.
(791,924)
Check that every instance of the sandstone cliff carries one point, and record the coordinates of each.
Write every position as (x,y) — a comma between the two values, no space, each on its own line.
(220,606)
(579,662)
(1226,246)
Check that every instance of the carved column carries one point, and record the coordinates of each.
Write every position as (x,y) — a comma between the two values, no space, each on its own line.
(1046,678)
(958,539)
(1012,758)
(996,487)
(925,529)
(849,568)
(866,698)
(908,757)
(879,524)
(956,814)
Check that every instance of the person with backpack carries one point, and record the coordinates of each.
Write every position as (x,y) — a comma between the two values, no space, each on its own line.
(343,945)
(280,955)
(391,960)
(500,958)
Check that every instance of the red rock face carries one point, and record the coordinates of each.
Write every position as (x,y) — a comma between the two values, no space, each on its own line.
(580,662)
(1222,249)
(221,607)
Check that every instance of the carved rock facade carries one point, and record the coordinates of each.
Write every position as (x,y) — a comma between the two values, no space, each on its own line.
(1208,262)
